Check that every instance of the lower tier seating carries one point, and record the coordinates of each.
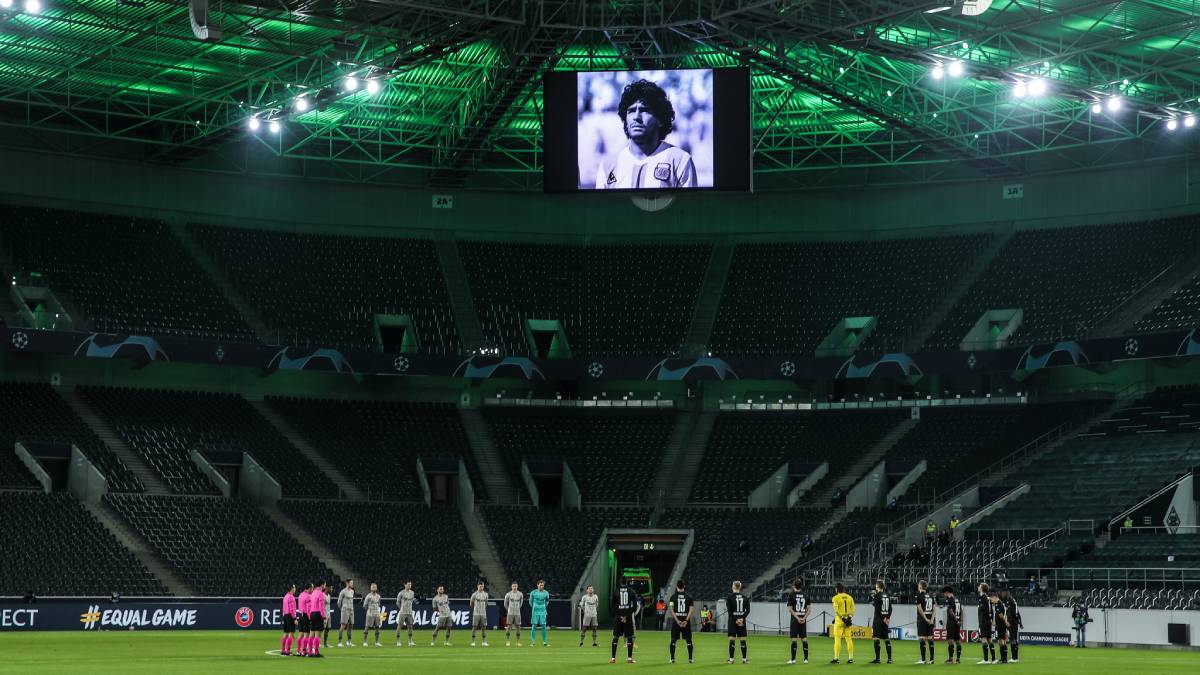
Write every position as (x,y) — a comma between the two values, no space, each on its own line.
(53,546)
(221,546)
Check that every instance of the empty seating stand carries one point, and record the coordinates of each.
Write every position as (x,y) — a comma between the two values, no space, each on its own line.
(221,546)
(552,544)
(612,300)
(785,297)
(53,546)
(746,448)
(335,285)
(376,443)
(1178,311)
(1067,280)
(392,543)
(164,427)
(126,275)
(613,455)
(35,413)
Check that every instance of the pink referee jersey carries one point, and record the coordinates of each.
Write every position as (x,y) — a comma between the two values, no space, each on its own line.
(304,602)
(316,602)
(289,605)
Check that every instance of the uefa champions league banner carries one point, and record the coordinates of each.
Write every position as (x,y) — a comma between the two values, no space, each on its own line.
(143,350)
(217,614)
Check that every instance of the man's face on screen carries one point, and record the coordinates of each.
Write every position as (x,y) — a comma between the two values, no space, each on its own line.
(640,123)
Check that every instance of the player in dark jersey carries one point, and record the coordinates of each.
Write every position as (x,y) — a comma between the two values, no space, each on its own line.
(954,622)
(737,610)
(1000,626)
(680,607)
(625,603)
(1013,614)
(799,609)
(926,617)
(987,614)
(882,620)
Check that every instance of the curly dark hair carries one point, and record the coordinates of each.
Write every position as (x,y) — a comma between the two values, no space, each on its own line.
(655,98)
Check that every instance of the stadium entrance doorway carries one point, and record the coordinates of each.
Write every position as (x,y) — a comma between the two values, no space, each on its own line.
(649,560)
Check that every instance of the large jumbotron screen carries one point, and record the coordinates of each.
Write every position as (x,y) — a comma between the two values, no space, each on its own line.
(647,130)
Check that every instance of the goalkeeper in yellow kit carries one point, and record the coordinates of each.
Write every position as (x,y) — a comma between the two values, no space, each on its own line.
(843,607)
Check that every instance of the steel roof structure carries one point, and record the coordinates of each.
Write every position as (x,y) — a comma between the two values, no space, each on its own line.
(844,91)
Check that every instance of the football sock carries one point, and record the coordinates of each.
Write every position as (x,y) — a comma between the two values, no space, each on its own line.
(743,649)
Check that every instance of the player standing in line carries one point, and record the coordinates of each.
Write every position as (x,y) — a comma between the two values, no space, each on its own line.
(954,622)
(371,603)
(737,609)
(680,608)
(445,618)
(345,603)
(512,607)
(289,620)
(1013,614)
(479,603)
(843,608)
(1001,625)
(539,601)
(926,614)
(404,613)
(987,614)
(302,605)
(647,161)
(317,616)
(625,604)
(589,606)
(327,593)
(882,621)
(799,609)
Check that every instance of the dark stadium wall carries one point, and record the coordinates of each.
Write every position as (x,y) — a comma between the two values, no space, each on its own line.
(1136,192)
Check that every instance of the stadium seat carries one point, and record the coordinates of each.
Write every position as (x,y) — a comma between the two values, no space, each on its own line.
(335,285)
(76,556)
(164,427)
(613,455)
(1178,311)
(393,543)
(125,275)
(612,300)
(224,547)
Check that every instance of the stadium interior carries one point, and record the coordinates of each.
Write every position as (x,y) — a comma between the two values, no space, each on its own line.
(264,325)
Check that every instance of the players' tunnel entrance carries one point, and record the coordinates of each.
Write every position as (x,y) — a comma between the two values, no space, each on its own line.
(648,559)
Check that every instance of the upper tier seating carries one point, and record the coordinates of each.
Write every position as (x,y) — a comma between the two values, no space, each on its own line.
(1122,459)
(124,274)
(746,448)
(376,443)
(53,546)
(1067,280)
(784,298)
(392,543)
(164,427)
(36,413)
(1178,311)
(764,536)
(334,285)
(612,300)
(221,546)
(552,544)
(613,455)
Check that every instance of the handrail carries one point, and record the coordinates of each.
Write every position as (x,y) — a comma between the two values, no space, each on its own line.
(818,561)
(1169,486)
(1022,549)
(1134,294)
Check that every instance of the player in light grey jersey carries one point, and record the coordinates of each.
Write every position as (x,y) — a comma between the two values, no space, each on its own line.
(479,603)
(512,608)
(404,613)
(371,604)
(589,605)
(345,603)
(445,618)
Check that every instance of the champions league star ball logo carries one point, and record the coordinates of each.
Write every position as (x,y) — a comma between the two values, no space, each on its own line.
(596,369)
(243,617)
(400,363)
(220,353)
(1131,347)
(20,340)
(787,369)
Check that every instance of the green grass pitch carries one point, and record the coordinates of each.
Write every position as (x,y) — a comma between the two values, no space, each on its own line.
(208,653)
